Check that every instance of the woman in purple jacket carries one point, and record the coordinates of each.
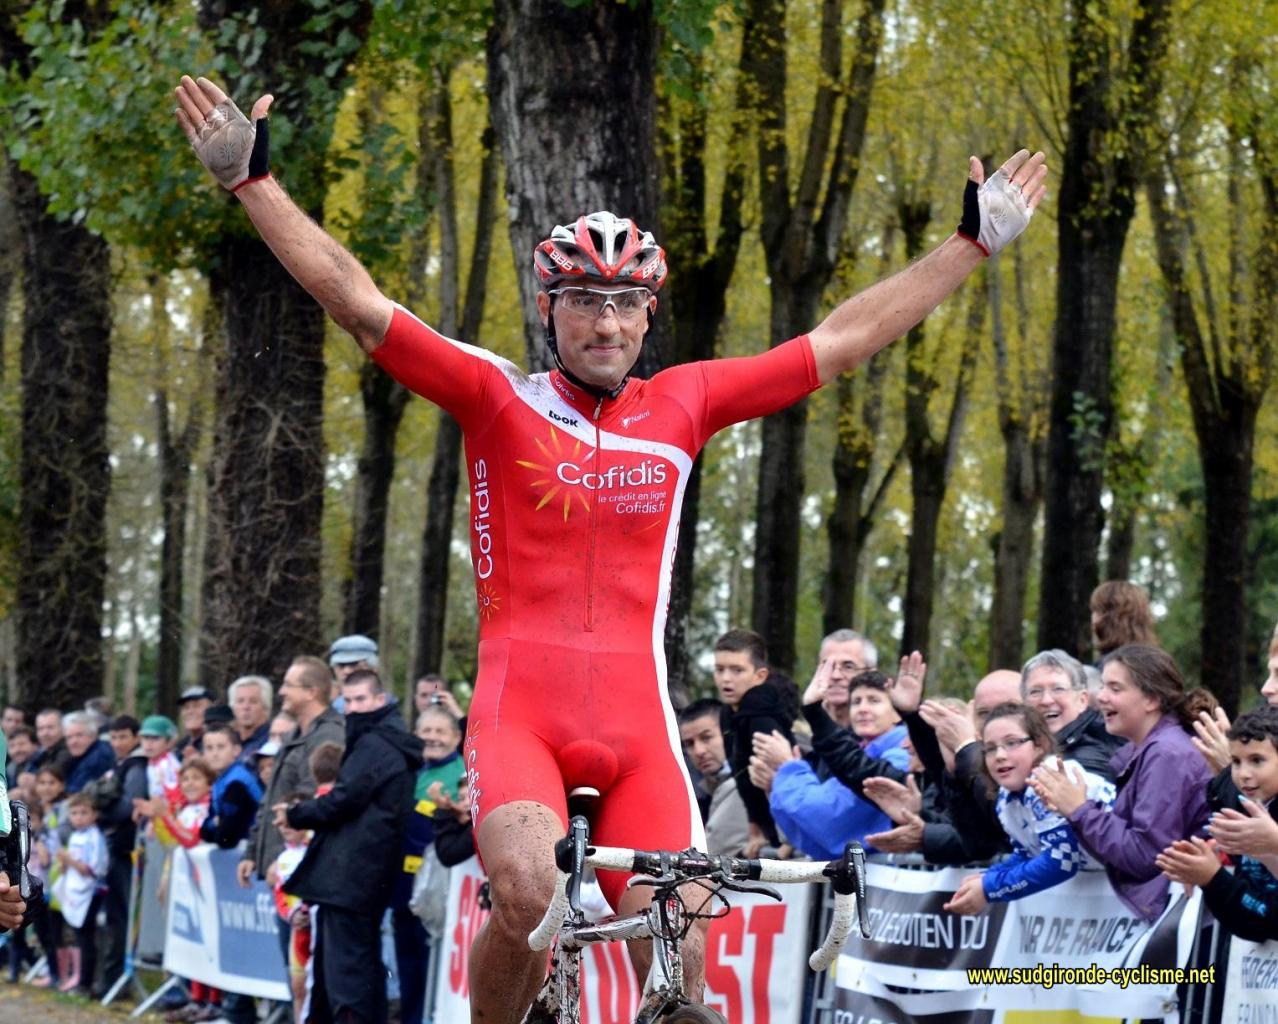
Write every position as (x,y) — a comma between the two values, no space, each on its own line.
(1162,787)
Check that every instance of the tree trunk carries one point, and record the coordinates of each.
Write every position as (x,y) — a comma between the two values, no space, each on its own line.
(931,458)
(384,403)
(175,490)
(855,507)
(573,102)
(445,473)
(801,234)
(266,472)
(10,253)
(64,470)
(1227,380)
(1020,388)
(176,452)
(1110,107)
(1226,454)
(854,511)
(698,298)
(197,529)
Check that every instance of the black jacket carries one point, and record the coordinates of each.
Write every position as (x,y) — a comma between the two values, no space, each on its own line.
(1086,741)
(354,857)
(454,840)
(962,826)
(761,710)
(116,821)
(1245,902)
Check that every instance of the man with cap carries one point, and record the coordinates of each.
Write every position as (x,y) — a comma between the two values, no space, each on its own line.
(191,707)
(351,654)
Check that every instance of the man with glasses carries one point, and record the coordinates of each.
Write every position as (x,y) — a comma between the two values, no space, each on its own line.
(576,481)
(1055,684)
(844,654)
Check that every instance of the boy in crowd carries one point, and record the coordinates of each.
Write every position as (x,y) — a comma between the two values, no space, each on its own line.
(291,909)
(124,783)
(158,735)
(325,762)
(1246,902)
(740,670)
(236,791)
(84,866)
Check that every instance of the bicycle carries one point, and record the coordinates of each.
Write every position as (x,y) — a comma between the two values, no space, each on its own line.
(668,919)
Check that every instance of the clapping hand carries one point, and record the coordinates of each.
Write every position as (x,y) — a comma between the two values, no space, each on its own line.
(905,838)
(1211,740)
(1191,861)
(953,728)
(898,802)
(1063,793)
(1253,834)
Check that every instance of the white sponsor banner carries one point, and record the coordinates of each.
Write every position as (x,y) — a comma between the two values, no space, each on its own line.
(755,960)
(1059,941)
(218,933)
(1251,982)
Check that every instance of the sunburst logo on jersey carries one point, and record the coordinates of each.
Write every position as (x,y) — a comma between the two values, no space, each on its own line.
(489,601)
(555,453)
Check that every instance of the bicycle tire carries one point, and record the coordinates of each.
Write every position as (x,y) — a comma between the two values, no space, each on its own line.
(693,1013)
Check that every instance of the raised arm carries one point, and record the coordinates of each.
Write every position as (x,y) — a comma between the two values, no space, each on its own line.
(235,152)
(994,213)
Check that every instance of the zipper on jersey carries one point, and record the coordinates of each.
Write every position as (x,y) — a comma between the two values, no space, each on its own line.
(590,538)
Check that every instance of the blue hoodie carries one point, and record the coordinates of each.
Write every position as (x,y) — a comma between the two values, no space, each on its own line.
(821,818)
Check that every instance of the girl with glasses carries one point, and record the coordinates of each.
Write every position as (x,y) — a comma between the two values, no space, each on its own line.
(1045,851)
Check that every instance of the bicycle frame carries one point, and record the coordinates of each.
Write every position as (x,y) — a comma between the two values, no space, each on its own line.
(663,921)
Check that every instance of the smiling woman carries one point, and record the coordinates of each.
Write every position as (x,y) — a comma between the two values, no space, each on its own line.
(1162,783)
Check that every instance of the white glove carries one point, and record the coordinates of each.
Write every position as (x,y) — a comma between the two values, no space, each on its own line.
(233,149)
(993,213)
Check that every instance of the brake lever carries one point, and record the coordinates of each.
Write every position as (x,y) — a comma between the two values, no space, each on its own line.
(862,908)
(761,890)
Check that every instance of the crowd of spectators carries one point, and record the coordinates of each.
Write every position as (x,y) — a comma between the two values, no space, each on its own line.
(1040,773)
(1057,768)
(326,782)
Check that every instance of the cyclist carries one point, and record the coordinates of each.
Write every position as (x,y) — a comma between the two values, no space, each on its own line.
(576,479)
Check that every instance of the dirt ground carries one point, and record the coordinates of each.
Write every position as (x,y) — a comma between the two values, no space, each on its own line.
(22,1004)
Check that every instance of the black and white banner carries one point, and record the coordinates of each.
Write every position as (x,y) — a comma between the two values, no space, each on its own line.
(1072,948)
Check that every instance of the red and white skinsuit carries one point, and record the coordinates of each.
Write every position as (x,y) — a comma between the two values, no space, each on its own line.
(574,517)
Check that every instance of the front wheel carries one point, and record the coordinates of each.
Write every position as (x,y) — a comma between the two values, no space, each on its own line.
(693,1013)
